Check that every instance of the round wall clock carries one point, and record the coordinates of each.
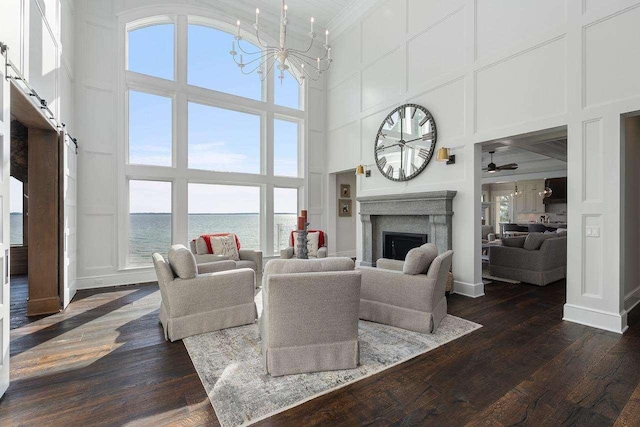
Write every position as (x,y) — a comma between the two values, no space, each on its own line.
(405,142)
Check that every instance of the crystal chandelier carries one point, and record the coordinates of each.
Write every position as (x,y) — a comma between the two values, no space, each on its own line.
(284,56)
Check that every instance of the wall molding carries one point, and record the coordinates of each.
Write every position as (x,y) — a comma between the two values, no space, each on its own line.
(613,322)
(144,275)
(471,290)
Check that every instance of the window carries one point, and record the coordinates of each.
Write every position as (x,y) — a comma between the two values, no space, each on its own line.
(225,209)
(286,91)
(201,139)
(285,214)
(223,140)
(16,205)
(285,145)
(149,220)
(151,51)
(210,66)
(150,129)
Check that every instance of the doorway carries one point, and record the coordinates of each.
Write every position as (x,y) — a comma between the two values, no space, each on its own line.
(630,209)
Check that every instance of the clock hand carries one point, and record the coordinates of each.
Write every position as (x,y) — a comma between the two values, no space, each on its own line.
(388,146)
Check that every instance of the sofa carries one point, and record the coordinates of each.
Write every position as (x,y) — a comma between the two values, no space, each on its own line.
(309,320)
(407,294)
(488,234)
(288,253)
(206,261)
(194,303)
(539,258)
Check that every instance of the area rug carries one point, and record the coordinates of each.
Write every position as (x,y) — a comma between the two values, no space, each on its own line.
(229,364)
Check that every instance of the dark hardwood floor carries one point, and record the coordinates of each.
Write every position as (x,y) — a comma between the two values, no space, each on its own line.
(104,362)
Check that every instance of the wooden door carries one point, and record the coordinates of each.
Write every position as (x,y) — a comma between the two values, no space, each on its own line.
(5,242)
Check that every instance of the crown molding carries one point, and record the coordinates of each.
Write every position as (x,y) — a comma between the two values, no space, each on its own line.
(351,14)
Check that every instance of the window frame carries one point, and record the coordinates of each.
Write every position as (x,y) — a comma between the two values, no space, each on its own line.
(181,93)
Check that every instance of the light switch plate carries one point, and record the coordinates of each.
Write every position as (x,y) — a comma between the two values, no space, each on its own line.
(592,231)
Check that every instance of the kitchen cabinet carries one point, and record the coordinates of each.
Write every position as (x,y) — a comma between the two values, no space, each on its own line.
(529,201)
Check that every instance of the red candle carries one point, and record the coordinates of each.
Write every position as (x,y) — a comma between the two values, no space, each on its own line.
(301,222)
(304,214)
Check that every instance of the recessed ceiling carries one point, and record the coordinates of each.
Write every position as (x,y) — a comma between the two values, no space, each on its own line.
(323,11)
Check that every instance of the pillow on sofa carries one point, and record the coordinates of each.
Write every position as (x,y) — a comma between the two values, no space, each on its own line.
(418,260)
(313,243)
(561,231)
(201,246)
(225,246)
(534,240)
(514,242)
(182,262)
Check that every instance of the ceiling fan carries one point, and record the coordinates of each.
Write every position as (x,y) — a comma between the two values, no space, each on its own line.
(492,168)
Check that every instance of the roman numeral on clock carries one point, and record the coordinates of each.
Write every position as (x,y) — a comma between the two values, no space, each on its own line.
(401,173)
(414,169)
(390,121)
(424,153)
(382,162)
(427,136)
(389,170)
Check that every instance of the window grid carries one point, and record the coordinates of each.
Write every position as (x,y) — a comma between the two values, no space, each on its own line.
(179,172)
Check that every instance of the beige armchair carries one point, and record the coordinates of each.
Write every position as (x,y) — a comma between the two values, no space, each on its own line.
(416,301)
(249,258)
(288,253)
(194,303)
(309,321)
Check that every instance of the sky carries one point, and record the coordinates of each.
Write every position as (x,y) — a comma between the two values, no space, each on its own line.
(218,139)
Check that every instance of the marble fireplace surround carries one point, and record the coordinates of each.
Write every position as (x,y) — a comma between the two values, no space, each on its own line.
(427,213)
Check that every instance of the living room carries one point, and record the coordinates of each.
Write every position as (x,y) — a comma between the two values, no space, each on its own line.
(271,212)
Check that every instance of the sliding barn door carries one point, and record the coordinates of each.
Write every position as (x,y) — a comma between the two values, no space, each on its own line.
(68,166)
(5,141)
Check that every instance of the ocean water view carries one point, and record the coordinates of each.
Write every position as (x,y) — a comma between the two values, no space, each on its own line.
(151,232)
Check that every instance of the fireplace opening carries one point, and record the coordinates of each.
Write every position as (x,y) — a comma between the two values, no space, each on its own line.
(397,245)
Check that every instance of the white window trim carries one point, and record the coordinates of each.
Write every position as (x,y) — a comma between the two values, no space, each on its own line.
(179,175)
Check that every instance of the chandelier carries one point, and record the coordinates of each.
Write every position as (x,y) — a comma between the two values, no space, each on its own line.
(308,66)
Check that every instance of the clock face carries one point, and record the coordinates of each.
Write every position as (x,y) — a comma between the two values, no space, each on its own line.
(405,142)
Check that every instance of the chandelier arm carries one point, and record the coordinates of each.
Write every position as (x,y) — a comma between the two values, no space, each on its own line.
(265,45)
(256,68)
(313,63)
(251,53)
(260,58)
(301,53)
(313,76)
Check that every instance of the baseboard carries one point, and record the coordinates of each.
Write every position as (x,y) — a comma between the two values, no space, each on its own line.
(468,289)
(123,278)
(632,300)
(613,322)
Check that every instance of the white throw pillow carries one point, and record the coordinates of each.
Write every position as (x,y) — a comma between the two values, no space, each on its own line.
(313,243)
(225,246)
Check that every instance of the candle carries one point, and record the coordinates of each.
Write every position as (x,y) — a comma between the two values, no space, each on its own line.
(257,15)
(301,223)
(318,64)
(326,37)
(312,21)
(285,10)
(304,215)
(238,25)
(329,54)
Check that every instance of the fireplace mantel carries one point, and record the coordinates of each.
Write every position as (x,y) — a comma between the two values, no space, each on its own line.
(428,212)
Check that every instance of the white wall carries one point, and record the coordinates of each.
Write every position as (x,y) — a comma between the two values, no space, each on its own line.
(345,235)
(40,37)
(631,226)
(102,204)
(489,69)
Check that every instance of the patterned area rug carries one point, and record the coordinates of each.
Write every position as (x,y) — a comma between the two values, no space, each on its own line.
(229,364)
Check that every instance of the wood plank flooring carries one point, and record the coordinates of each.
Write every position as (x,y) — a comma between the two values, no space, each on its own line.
(104,362)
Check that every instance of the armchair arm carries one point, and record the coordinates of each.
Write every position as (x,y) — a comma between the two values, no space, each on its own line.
(206,258)
(216,266)
(286,253)
(208,292)
(251,255)
(396,288)
(323,252)
(390,264)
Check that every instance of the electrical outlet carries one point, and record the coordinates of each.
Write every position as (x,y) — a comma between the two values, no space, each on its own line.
(592,231)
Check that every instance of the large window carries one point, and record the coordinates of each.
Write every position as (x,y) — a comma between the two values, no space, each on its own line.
(225,209)
(223,140)
(149,220)
(207,149)
(285,212)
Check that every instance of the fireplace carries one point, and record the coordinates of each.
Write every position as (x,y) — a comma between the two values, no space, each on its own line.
(428,214)
(397,245)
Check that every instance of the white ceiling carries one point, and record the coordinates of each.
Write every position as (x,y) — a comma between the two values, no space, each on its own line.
(540,152)
(323,11)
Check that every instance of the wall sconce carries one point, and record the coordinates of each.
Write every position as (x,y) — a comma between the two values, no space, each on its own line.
(444,156)
(361,170)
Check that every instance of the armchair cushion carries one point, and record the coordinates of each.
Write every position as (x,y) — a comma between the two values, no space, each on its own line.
(514,242)
(225,246)
(390,264)
(534,240)
(182,262)
(321,238)
(419,259)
